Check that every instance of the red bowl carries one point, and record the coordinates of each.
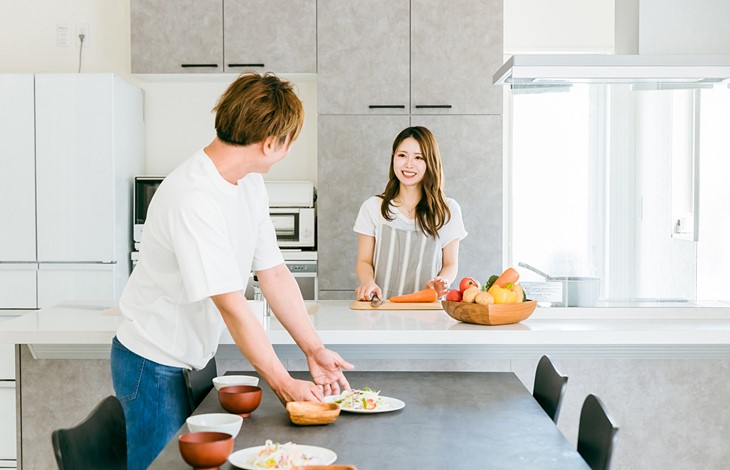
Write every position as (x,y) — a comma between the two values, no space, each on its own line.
(205,450)
(240,399)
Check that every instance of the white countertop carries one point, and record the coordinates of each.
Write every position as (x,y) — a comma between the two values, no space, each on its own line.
(94,323)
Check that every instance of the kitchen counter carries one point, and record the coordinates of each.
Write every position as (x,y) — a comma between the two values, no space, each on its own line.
(65,328)
(653,367)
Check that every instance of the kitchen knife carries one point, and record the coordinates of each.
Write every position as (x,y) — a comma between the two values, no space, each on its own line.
(375,301)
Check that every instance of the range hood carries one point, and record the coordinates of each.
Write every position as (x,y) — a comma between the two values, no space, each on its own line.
(535,70)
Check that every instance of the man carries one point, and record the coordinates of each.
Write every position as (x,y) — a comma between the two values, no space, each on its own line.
(207,227)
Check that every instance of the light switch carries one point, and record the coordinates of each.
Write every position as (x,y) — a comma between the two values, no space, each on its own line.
(63,35)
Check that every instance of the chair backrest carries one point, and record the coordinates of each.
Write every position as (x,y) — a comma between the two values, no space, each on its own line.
(98,442)
(200,382)
(596,434)
(549,387)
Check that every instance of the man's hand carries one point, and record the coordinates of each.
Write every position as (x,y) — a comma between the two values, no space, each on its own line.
(326,369)
(298,390)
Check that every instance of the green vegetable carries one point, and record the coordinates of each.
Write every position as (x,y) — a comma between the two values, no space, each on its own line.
(489,283)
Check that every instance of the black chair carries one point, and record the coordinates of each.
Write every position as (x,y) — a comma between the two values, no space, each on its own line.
(98,442)
(596,434)
(549,387)
(200,382)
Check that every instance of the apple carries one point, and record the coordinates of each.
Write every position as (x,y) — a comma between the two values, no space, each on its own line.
(468,282)
(454,295)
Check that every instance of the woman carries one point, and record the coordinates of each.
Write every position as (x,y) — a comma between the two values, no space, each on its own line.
(409,235)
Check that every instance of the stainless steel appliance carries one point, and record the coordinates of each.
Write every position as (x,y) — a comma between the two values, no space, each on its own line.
(292,209)
(291,205)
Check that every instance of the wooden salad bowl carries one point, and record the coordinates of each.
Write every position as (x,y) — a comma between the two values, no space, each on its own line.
(494,314)
(306,413)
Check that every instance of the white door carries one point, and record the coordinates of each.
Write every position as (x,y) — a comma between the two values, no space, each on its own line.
(7,423)
(18,285)
(74,153)
(17,169)
(65,281)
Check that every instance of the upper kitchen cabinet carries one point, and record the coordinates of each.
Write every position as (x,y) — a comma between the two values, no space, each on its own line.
(409,57)
(454,51)
(194,36)
(270,35)
(363,57)
(182,36)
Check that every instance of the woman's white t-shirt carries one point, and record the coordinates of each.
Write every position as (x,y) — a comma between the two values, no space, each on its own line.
(202,237)
(405,258)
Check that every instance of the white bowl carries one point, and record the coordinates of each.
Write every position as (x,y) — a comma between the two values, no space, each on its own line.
(227,380)
(215,422)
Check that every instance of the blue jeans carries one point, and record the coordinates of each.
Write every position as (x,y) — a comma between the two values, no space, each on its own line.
(155,402)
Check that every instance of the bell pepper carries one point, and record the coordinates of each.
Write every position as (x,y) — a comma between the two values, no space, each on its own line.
(504,295)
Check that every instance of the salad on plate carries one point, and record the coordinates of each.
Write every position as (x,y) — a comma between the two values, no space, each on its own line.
(365,399)
(281,456)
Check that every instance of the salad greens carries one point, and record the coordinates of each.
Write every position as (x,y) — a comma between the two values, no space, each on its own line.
(364,399)
(281,456)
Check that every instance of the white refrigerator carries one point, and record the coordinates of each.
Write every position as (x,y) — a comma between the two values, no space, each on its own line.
(70,145)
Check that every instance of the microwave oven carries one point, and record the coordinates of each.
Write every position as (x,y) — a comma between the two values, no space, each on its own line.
(144,189)
(294,226)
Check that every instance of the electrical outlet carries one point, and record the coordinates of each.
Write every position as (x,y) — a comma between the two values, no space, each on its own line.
(63,35)
(82,28)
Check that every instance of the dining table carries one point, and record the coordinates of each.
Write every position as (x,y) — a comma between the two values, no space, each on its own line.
(451,420)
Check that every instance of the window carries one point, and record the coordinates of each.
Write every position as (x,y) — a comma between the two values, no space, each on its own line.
(624,183)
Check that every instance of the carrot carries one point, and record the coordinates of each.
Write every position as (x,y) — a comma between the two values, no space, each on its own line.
(425,295)
(509,276)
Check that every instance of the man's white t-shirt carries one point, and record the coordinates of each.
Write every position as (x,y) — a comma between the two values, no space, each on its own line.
(202,237)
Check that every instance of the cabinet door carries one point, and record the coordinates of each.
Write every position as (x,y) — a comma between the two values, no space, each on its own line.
(74,154)
(18,285)
(7,423)
(270,35)
(471,151)
(354,159)
(363,56)
(454,53)
(181,36)
(17,168)
(63,282)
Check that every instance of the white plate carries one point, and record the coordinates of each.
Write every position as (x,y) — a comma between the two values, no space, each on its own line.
(387,404)
(242,458)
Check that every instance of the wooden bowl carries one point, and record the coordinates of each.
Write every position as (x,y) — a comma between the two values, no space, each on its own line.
(495,314)
(240,399)
(205,449)
(310,412)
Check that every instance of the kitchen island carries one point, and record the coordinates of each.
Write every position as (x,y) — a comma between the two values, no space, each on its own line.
(660,371)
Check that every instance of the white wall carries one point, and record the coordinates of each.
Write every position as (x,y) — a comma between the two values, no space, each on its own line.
(177,109)
(558,26)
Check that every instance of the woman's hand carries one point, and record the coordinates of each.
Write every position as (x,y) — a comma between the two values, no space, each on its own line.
(439,284)
(366,289)
(326,369)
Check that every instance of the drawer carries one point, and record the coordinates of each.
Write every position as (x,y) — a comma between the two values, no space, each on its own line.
(7,424)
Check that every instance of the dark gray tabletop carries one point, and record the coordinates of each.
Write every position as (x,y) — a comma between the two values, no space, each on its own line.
(452,420)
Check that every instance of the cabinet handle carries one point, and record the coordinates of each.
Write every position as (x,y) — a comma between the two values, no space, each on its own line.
(387,106)
(246,65)
(439,106)
(187,66)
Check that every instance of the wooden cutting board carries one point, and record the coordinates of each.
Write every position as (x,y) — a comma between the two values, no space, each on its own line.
(362,305)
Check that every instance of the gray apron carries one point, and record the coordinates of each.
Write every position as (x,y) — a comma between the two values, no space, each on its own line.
(404,260)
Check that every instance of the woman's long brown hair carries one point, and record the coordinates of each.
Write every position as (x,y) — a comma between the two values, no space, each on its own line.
(432,212)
